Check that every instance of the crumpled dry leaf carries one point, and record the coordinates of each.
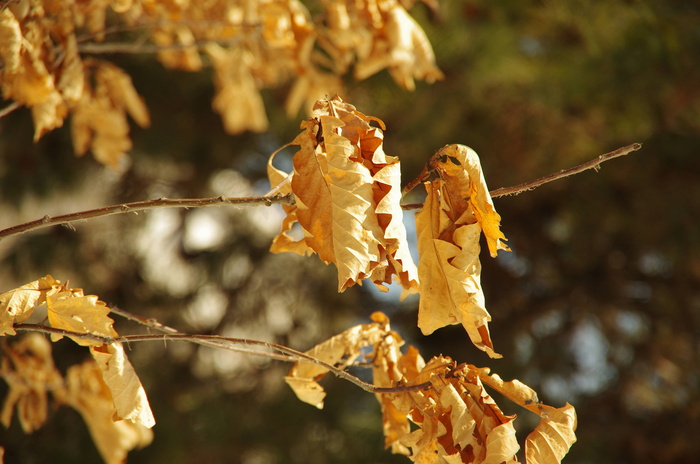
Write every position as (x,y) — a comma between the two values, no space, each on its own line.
(72,310)
(457,420)
(87,393)
(457,209)
(407,52)
(554,435)
(129,397)
(347,192)
(29,371)
(17,305)
(341,351)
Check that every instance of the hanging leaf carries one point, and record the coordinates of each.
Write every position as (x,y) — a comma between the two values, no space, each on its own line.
(347,199)
(17,305)
(457,209)
(87,393)
(129,397)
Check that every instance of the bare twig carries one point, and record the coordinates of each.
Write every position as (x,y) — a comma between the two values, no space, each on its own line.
(524,187)
(95,48)
(288,199)
(229,343)
(137,206)
(9,109)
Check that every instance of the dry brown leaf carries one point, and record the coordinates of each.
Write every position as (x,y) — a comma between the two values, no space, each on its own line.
(347,193)
(457,209)
(341,351)
(29,371)
(73,311)
(130,401)
(17,305)
(186,58)
(87,393)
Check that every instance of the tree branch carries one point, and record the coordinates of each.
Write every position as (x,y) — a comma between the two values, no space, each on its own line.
(524,187)
(9,109)
(137,206)
(241,345)
(288,199)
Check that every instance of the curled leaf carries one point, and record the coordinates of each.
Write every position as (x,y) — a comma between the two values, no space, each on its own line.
(457,209)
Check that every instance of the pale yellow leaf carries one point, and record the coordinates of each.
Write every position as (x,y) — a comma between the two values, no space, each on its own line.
(48,115)
(118,85)
(553,436)
(460,169)
(10,41)
(27,367)
(90,396)
(450,273)
(237,99)
(340,350)
(17,305)
(129,397)
(73,311)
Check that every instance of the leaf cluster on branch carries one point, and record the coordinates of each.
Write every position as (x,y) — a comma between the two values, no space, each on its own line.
(347,204)
(46,49)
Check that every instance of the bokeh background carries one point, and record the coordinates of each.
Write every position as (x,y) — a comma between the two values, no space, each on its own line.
(597,305)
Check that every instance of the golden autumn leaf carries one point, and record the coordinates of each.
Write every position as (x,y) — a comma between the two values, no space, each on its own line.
(347,192)
(129,396)
(10,41)
(457,209)
(29,371)
(99,122)
(237,99)
(454,418)
(341,350)
(17,305)
(87,392)
(554,435)
(71,310)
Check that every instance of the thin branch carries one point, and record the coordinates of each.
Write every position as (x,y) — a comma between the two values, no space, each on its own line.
(9,108)
(524,187)
(288,199)
(137,206)
(218,341)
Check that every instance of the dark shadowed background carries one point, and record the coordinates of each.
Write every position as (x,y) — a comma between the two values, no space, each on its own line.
(597,305)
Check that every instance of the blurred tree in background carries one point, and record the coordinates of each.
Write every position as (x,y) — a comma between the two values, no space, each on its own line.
(598,304)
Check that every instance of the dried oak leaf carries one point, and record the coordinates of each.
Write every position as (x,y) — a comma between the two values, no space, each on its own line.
(347,193)
(88,394)
(128,394)
(457,209)
(28,369)
(17,305)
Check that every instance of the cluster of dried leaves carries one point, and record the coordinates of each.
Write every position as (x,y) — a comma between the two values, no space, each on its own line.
(457,421)
(251,45)
(105,390)
(347,195)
